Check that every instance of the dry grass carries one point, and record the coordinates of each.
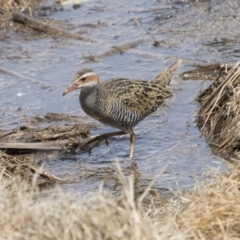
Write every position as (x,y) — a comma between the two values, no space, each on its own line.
(23,170)
(95,217)
(210,211)
(11,5)
(6,9)
(219,115)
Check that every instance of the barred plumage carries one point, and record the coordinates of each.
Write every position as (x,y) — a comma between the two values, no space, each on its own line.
(122,103)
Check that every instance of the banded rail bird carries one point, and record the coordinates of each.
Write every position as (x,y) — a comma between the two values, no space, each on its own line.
(121,103)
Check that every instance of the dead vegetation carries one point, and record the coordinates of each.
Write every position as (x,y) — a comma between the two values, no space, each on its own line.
(43,27)
(219,116)
(24,170)
(53,137)
(11,5)
(208,72)
(18,146)
(67,134)
(97,216)
(210,211)
(20,14)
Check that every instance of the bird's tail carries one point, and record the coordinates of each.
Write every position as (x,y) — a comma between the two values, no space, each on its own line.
(164,77)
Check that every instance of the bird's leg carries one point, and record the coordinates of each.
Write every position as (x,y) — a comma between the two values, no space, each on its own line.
(100,138)
(132,140)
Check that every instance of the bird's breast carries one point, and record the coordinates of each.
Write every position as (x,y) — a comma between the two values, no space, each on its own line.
(93,106)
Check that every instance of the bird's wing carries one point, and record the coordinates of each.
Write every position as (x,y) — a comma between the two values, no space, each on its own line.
(140,96)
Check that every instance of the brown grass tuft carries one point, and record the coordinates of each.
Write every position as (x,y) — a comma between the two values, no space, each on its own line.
(219,115)
(210,211)
(97,216)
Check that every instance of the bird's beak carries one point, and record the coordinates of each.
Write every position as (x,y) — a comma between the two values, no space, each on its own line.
(70,88)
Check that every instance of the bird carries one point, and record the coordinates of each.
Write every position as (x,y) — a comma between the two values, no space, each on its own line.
(121,103)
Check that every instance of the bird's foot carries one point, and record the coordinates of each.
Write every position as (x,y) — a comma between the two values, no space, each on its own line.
(97,140)
(89,144)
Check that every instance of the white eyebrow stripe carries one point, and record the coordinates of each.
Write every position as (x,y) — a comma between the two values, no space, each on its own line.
(88,74)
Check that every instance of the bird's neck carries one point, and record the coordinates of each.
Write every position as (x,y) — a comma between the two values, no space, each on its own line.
(89,89)
(88,97)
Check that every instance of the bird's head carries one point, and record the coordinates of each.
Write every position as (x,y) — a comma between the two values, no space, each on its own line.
(82,79)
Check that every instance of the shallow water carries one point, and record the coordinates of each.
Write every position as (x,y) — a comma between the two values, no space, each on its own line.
(169,138)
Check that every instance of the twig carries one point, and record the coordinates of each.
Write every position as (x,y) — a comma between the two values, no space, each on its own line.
(9,72)
(113,50)
(37,146)
(158,8)
(45,174)
(14,166)
(43,27)
(61,116)
(7,134)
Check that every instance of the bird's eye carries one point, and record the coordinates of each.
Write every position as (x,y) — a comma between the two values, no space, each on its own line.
(83,79)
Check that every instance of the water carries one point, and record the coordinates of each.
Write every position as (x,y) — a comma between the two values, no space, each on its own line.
(168,139)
